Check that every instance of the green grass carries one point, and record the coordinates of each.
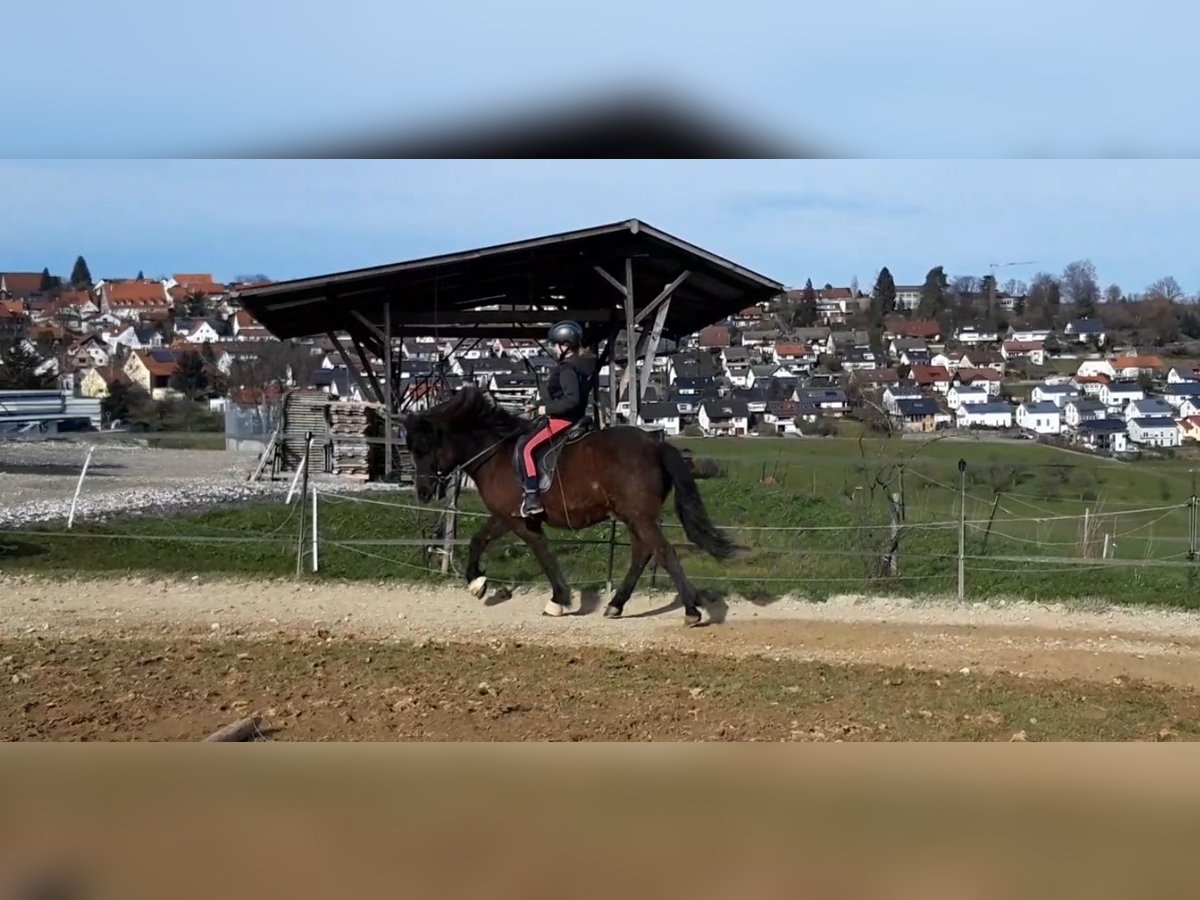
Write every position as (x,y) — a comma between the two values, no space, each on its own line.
(197,440)
(780,483)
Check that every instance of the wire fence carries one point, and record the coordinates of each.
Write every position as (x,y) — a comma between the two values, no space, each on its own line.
(935,538)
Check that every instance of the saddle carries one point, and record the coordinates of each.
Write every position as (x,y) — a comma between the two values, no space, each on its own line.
(545,457)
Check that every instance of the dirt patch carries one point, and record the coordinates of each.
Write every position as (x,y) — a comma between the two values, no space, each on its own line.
(114,659)
(320,688)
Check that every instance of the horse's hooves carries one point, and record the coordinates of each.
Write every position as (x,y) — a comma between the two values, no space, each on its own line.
(478,586)
(554,609)
(612,612)
(692,619)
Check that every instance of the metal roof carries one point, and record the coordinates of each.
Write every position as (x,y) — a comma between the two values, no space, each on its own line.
(518,288)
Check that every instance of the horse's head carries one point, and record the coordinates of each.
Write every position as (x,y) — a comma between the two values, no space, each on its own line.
(431,454)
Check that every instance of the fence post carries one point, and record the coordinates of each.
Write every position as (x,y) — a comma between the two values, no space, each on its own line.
(612,549)
(308,438)
(314,528)
(450,525)
(79,485)
(962,527)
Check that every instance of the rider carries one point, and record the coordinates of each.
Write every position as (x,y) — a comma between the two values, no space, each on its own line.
(564,402)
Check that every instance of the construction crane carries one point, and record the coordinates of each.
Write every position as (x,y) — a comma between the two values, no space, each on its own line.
(992,282)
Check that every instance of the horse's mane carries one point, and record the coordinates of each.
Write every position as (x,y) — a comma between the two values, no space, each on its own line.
(472,410)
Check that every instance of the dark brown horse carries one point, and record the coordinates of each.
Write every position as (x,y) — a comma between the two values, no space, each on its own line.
(621,472)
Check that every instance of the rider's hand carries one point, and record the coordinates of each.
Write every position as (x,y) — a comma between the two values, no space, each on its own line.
(541,410)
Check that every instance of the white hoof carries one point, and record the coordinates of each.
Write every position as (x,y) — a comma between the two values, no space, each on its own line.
(478,586)
(554,609)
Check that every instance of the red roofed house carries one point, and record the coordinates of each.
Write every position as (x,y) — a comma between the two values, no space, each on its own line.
(935,377)
(130,299)
(900,327)
(19,285)
(1133,366)
(152,370)
(1191,428)
(246,328)
(1034,351)
(714,336)
(987,378)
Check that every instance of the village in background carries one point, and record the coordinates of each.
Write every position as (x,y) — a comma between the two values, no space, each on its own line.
(1056,359)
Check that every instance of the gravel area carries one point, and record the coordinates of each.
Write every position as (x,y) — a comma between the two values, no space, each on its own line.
(37,481)
(1026,639)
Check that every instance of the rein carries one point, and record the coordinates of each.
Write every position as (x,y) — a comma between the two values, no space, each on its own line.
(485,452)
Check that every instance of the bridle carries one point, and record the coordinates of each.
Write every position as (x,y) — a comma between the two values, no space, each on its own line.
(443,478)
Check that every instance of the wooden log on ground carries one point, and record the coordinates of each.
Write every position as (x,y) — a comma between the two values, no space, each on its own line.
(242,730)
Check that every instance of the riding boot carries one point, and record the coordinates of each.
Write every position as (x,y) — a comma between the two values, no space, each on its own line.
(531,504)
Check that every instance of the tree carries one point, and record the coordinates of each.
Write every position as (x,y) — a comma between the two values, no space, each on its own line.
(809,295)
(191,376)
(48,281)
(1112,294)
(126,402)
(196,305)
(933,293)
(854,286)
(80,275)
(1166,288)
(1080,287)
(883,296)
(1014,287)
(141,275)
(1044,299)
(18,369)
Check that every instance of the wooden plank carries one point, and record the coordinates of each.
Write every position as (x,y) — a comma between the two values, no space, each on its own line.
(631,343)
(652,346)
(603,274)
(663,296)
(358,378)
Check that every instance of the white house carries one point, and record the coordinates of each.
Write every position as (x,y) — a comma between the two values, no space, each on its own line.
(1149,408)
(987,379)
(1118,394)
(962,395)
(663,416)
(1178,375)
(1155,432)
(908,297)
(1089,368)
(1189,408)
(1042,417)
(896,392)
(971,334)
(1058,394)
(199,331)
(1034,351)
(781,415)
(1028,334)
(996,414)
(724,417)
(1179,392)
(1084,330)
(1080,411)
(1104,434)
(759,375)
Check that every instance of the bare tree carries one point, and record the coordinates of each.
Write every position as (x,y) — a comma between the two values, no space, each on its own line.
(1166,289)
(1080,288)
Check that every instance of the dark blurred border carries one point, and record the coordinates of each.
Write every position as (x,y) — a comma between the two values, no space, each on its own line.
(620,126)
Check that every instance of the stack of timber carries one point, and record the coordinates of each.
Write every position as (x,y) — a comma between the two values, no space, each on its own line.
(350,424)
(303,412)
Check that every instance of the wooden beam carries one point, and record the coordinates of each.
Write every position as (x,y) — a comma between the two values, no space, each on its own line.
(390,376)
(466,318)
(652,346)
(358,378)
(631,342)
(620,287)
(369,325)
(362,355)
(663,296)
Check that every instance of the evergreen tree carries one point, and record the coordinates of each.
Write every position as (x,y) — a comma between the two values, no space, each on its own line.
(18,369)
(191,377)
(883,297)
(933,293)
(80,275)
(47,280)
(140,276)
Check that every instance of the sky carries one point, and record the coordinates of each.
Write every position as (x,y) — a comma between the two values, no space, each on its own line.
(942,78)
(829,220)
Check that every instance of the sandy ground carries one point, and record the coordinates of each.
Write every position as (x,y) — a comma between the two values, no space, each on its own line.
(1024,639)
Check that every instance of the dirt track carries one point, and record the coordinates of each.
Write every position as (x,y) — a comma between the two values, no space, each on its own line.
(138,658)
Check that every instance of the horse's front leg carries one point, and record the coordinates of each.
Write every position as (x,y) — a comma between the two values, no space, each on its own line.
(531,534)
(492,529)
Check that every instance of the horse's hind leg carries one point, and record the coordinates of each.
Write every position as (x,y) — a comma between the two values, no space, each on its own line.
(531,534)
(492,529)
(641,553)
(669,560)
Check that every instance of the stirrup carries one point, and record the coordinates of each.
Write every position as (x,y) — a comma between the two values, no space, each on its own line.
(531,505)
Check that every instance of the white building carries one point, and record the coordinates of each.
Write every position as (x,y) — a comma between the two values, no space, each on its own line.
(1041,418)
(964,395)
(724,417)
(1118,394)
(1090,368)
(985,415)
(663,416)
(1149,408)
(1156,432)
(1080,411)
(1058,394)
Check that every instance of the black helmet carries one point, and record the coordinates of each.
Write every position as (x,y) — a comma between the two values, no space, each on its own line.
(567,333)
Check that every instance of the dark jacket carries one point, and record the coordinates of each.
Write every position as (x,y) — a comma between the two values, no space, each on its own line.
(565,392)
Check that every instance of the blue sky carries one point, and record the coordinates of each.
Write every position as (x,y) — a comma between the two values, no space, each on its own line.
(789,219)
(869,78)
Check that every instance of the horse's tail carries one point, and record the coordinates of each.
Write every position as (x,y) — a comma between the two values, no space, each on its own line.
(689,506)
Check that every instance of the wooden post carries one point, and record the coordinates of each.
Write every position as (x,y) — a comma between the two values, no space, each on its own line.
(450,524)
(308,440)
(631,343)
(991,516)
(962,527)
(314,528)
(79,485)
(389,378)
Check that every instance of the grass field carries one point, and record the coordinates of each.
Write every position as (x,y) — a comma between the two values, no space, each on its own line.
(1025,508)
